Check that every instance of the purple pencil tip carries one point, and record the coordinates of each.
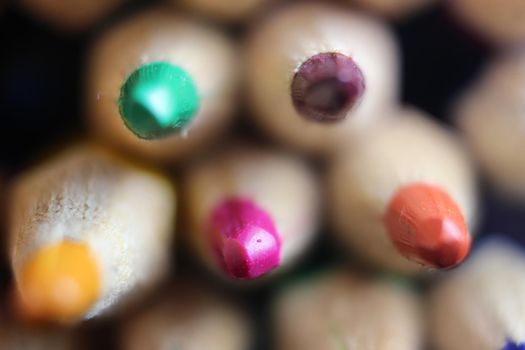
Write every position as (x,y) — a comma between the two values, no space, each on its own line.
(327,86)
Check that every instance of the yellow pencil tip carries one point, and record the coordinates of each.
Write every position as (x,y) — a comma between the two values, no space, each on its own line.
(59,283)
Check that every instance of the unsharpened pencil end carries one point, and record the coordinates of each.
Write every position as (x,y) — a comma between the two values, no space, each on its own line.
(157,100)
(59,283)
(327,86)
(245,240)
(427,226)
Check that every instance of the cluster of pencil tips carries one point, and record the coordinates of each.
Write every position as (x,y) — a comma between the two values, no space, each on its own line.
(92,230)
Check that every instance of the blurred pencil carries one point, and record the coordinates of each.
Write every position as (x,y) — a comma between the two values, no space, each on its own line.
(395,9)
(189,318)
(225,10)
(70,15)
(88,231)
(250,211)
(491,116)
(316,73)
(480,306)
(500,21)
(403,194)
(16,337)
(340,311)
(155,91)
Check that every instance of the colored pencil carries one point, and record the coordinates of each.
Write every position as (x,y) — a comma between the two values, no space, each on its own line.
(394,9)
(70,15)
(16,337)
(403,195)
(499,21)
(88,231)
(160,85)
(491,116)
(225,10)
(316,73)
(190,317)
(340,311)
(250,211)
(480,306)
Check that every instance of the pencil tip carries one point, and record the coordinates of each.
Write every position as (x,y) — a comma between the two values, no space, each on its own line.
(427,226)
(158,99)
(244,238)
(511,345)
(59,283)
(327,86)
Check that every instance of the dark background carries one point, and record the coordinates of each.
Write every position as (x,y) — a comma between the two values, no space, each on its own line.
(41,71)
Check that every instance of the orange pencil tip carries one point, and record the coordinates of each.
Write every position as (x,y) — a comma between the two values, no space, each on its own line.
(427,226)
(59,283)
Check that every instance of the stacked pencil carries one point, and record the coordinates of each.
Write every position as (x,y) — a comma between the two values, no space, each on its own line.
(340,310)
(70,16)
(314,208)
(404,195)
(490,115)
(250,211)
(151,92)
(500,22)
(88,230)
(190,317)
(480,306)
(316,74)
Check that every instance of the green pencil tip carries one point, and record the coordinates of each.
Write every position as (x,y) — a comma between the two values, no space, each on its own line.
(157,100)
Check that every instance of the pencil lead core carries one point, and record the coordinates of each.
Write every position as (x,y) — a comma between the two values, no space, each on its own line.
(427,226)
(59,283)
(157,100)
(244,239)
(327,86)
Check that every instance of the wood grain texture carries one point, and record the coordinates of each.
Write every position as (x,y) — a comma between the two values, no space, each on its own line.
(500,21)
(225,10)
(491,116)
(70,15)
(161,35)
(17,337)
(189,317)
(280,44)
(123,213)
(394,9)
(280,184)
(340,311)
(363,179)
(480,306)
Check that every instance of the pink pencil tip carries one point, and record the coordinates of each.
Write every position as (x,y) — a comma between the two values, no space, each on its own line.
(244,238)
(254,255)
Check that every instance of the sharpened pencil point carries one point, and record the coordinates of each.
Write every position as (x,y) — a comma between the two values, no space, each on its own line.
(327,86)
(244,238)
(427,226)
(157,100)
(59,283)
